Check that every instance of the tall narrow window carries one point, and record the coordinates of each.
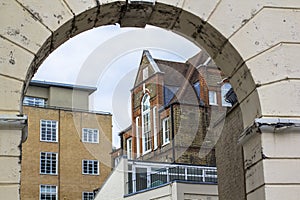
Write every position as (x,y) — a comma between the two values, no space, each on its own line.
(90,135)
(137,133)
(166,131)
(212,98)
(146,127)
(87,196)
(155,127)
(129,148)
(48,192)
(90,167)
(48,130)
(48,163)
(197,88)
(224,89)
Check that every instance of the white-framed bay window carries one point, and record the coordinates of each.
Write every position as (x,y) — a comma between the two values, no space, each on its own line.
(90,135)
(48,192)
(166,130)
(146,124)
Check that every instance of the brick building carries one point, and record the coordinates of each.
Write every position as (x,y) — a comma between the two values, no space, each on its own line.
(66,155)
(173,107)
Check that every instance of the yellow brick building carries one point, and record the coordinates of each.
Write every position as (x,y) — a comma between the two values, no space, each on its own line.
(66,155)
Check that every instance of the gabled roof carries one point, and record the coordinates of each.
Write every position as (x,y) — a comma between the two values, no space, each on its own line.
(147,61)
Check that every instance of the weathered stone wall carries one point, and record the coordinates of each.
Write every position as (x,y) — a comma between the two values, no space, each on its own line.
(229,154)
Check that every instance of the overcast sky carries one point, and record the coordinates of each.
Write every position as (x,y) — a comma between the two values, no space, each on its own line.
(108,58)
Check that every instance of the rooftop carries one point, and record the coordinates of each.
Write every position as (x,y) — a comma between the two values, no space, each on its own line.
(47,84)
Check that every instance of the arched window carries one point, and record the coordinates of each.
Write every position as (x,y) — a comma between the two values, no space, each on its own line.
(146,123)
(224,89)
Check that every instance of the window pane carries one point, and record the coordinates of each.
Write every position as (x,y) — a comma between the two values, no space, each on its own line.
(90,135)
(48,130)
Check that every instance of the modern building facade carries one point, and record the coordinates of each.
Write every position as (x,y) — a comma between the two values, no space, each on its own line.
(66,155)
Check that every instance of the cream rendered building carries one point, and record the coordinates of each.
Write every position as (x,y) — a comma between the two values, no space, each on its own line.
(66,155)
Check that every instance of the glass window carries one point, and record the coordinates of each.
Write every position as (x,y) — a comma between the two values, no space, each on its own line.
(146,127)
(166,131)
(129,148)
(212,98)
(145,73)
(48,192)
(34,101)
(197,88)
(137,132)
(155,127)
(90,135)
(87,196)
(224,89)
(90,167)
(48,163)
(48,130)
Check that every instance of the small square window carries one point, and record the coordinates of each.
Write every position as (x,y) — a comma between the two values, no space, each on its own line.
(90,167)
(90,135)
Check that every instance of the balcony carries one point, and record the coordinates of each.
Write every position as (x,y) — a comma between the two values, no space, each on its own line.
(144,176)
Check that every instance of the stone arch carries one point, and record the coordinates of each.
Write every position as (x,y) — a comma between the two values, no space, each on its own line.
(256,43)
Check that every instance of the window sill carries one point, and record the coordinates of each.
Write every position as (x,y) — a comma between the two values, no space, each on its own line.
(165,144)
(91,174)
(146,152)
(48,174)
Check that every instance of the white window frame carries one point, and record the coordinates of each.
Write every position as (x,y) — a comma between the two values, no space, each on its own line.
(44,129)
(34,101)
(224,89)
(212,98)
(137,133)
(146,125)
(90,135)
(90,162)
(49,192)
(145,73)
(154,111)
(48,162)
(129,148)
(166,131)
(88,197)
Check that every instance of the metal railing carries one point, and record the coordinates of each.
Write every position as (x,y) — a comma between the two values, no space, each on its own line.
(196,174)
